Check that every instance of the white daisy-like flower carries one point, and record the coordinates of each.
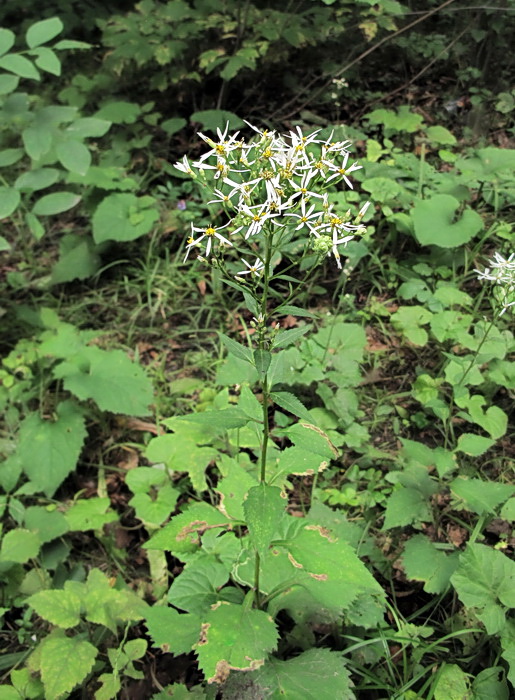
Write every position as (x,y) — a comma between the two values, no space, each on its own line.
(256,269)
(184,166)
(210,233)
(501,271)
(306,218)
(343,171)
(257,215)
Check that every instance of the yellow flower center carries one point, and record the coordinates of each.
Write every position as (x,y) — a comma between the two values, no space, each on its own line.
(210,231)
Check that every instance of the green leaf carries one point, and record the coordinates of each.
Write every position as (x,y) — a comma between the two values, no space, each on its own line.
(222,420)
(124,217)
(47,60)
(19,546)
(452,684)
(490,684)
(8,84)
(108,377)
(285,338)
(440,136)
(481,496)
(78,259)
(406,506)
(434,222)
(262,359)
(233,487)
(47,524)
(485,580)
(173,125)
(106,605)
(9,200)
(409,320)
(74,156)
(42,32)
(196,589)
(473,445)
(89,514)
(300,677)
(508,510)
(7,39)
(61,608)
(182,534)
(234,638)
(243,352)
(49,450)
(87,127)
(66,44)
(172,632)
(65,662)
(37,179)
(289,402)
(424,562)
(294,311)
(264,508)
(37,141)
(19,65)
(213,119)
(111,686)
(311,439)
(55,203)
(10,156)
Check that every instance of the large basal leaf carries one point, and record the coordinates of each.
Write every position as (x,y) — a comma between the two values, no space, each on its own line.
(485,580)
(264,508)
(49,450)
(480,496)
(234,638)
(317,673)
(123,217)
(19,546)
(423,562)
(61,608)
(436,222)
(110,378)
(196,589)
(64,662)
(172,632)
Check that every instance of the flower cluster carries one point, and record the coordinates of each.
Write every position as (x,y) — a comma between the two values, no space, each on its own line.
(501,271)
(274,185)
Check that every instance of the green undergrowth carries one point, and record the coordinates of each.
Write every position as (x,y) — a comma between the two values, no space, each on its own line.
(143,532)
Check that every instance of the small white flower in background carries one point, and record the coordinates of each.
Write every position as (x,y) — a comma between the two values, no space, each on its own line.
(184,166)
(502,272)
(256,269)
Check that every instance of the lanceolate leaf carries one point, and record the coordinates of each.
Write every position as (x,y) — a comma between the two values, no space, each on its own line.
(234,638)
(292,404)
(285,338)
(242,352)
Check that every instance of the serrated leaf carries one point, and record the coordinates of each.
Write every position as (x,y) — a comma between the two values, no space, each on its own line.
(300,678)
(196,589)
(264,508)
(90,514)
(65,662)
(473,445)
(182,534)
(234,638)
(485,580)
(172,632)
(60,607)
(233,488)
(221,420)
(43,31)
(406,506)
(289,402)
(74,156)
(242,352)
(311,439)
(481,496)
(49,450)
(55,203)
(423,562)
(452,684)
(294,311)
(19,546)
(285,338)
(111,686)
(107,606)
(110,378)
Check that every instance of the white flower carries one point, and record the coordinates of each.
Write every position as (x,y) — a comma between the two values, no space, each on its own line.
(342,170)
(502,272)
(256,269)
(257,215)
(184,166)
(210,232)
(306,217)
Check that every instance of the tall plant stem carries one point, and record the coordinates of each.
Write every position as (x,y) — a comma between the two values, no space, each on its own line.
(262,346)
